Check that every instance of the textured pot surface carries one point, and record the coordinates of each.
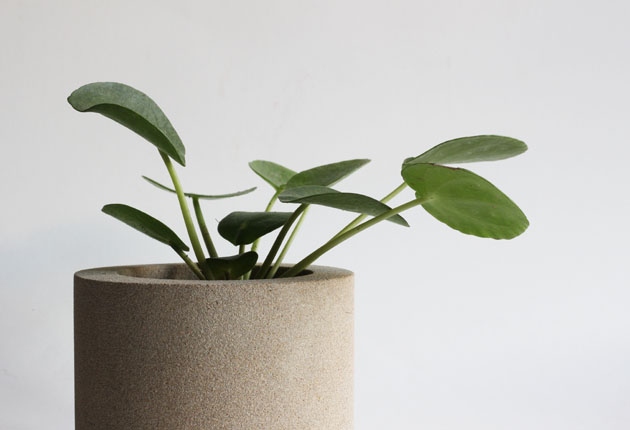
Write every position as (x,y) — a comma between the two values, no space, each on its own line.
(155,351)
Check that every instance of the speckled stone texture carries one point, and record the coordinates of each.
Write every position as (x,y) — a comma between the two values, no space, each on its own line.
(156,349)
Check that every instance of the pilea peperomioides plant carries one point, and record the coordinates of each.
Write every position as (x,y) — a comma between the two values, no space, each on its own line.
(455,196)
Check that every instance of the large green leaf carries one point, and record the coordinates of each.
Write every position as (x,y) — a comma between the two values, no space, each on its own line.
(232,267)
(146,224)
(133,109)
(352,202)
(274,174)
(470,149)
(465,201)
(242,228)
(199,196)
(326,175)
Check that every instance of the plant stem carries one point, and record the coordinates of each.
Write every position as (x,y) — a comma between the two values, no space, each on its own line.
(394,193)
(204,228)
(190,227)
(267,209)
(360,218)
(241,250)
(309,259)
(287,245)
(190,263)
(276,245)
(256,242)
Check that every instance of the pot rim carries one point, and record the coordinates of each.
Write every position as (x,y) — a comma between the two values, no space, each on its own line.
(124,275)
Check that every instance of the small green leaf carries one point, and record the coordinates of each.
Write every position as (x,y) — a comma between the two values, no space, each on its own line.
(326,175)
(199,196)
(465,201)
(352,202)
(234,266)
(470,149)
(274,174)
(133,109)
(242,228)
(146,224)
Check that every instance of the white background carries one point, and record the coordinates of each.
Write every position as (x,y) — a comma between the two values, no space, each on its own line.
(452,331)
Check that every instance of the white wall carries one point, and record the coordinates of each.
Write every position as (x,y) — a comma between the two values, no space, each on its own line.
(452,332)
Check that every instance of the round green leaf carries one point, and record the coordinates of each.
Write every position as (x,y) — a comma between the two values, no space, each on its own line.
(465,201)
(146,224)
(326,175)
(274,174)
(234,266)
(199,196)
(471,149)
(133,109)
(242,228)
(352,202)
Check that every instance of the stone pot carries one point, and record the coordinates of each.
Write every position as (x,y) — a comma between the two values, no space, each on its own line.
(156,349)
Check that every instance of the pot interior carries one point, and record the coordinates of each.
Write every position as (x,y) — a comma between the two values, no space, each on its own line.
(175,271)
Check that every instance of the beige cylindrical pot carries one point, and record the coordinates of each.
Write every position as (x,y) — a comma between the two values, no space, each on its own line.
(154,350)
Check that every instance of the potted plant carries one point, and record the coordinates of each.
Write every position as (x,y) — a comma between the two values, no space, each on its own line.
(244,341)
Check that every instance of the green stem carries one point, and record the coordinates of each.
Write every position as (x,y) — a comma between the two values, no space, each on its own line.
(360,218)
(267,209)
(256,242)
(190,227)
(241,251)
(394,193)
(309,259)
(204,228)
(194,239)
(190,263)
(264,269)
(287,245)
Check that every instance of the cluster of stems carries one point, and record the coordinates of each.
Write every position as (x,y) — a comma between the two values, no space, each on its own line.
(273,261)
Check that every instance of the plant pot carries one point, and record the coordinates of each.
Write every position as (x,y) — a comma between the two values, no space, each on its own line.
(156,349)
